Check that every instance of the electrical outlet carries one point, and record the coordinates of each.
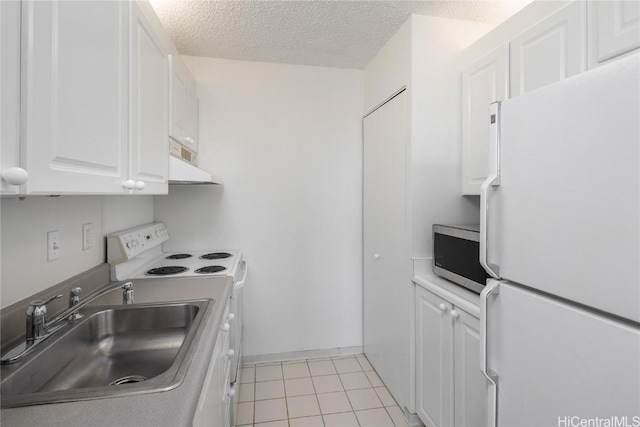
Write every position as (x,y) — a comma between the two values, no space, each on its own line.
(87,236)
(53,245)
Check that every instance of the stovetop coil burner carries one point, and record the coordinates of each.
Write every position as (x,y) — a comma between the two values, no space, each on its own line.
(179,256)
(216,255)
(210,269)
(165,271)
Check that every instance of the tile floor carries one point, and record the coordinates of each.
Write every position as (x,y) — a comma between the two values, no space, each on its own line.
(331,392)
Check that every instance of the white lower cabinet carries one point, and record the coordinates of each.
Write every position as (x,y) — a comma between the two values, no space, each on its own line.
(450,388)
(214,405)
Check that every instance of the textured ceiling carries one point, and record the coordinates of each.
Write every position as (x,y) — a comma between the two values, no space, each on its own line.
(327,33)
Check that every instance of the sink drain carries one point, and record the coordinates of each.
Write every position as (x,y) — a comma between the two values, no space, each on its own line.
(129,379)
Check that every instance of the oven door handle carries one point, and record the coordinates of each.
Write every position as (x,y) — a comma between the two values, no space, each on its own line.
(240,283)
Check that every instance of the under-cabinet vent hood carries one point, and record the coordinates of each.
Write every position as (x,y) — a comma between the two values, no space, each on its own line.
(181,172)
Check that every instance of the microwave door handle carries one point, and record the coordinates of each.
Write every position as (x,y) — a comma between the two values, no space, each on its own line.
(493,180)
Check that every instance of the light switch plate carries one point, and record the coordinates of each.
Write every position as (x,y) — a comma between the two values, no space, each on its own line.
(87,236)
(53,245)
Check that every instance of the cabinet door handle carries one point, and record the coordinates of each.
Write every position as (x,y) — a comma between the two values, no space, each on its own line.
(231,316)
(454,314)
(376,256)
(231,352)
(442,307)
(140,185)
(129,184)
(226,327)
(189,140)
(15,176)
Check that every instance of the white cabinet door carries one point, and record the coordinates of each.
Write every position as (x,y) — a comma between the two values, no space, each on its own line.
(149,148)
(483,82)
(385,290)
(74,96)
(9,90)
(184,105)
(209,412)
(434,359)
(614,29)
(550,51)
(470,384)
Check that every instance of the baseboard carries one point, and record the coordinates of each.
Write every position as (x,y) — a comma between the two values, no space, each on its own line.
(299,355)
(412,419)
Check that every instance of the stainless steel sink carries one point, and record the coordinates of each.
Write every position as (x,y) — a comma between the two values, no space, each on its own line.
(112,351)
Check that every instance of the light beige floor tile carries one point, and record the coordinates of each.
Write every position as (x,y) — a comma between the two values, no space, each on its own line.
(374,418)
(355,380)
(269,390)
(247,375)
(321,367)
(268,373)
(347,365)
(397,416)
(245,413)
(306,422)
(246,392)
(279,423)
(302,406)
(365,398)
(296,370)
(346,419)
(332,403)
(364,362)
(374,379)
(385,397)
(299,387)
(270,410)
(327,384)
(318,359)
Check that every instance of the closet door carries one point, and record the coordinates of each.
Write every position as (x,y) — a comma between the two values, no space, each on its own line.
(386,295)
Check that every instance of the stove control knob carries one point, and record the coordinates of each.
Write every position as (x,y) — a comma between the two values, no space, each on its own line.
(158,233)
(130,244)
(226,327)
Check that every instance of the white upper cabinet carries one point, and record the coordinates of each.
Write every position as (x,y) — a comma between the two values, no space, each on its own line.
(74,96)
(550,51)
(94,99)
(149,146)
(10,95)
(483,82)
(614,29)
(184,105)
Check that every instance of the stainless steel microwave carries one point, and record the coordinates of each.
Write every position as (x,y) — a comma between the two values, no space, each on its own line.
(456,255)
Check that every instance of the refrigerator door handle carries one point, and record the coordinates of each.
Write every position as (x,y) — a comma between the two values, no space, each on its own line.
(492,288)
(493,180)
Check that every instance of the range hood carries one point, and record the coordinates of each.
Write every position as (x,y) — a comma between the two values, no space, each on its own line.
(181,172)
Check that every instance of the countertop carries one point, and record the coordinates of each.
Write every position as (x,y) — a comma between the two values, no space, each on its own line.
(169,408)
(456,294)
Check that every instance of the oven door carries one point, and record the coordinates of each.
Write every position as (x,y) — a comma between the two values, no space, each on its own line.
(237,302)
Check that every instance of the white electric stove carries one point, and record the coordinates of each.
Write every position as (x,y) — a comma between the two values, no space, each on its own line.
(137,253)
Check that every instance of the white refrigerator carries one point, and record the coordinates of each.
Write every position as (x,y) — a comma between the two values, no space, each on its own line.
(560,235)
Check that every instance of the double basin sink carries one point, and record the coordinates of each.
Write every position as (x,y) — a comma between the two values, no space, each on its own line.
(111,351)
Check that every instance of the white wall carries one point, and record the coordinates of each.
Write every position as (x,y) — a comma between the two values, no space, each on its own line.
(24,226)
(287,141)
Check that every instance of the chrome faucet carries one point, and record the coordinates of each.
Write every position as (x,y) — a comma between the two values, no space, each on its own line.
(38,328)
(37,318)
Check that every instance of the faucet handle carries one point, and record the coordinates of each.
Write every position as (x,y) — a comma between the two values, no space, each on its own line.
(74,299)
(127,295)
(76,291)
(38,307)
